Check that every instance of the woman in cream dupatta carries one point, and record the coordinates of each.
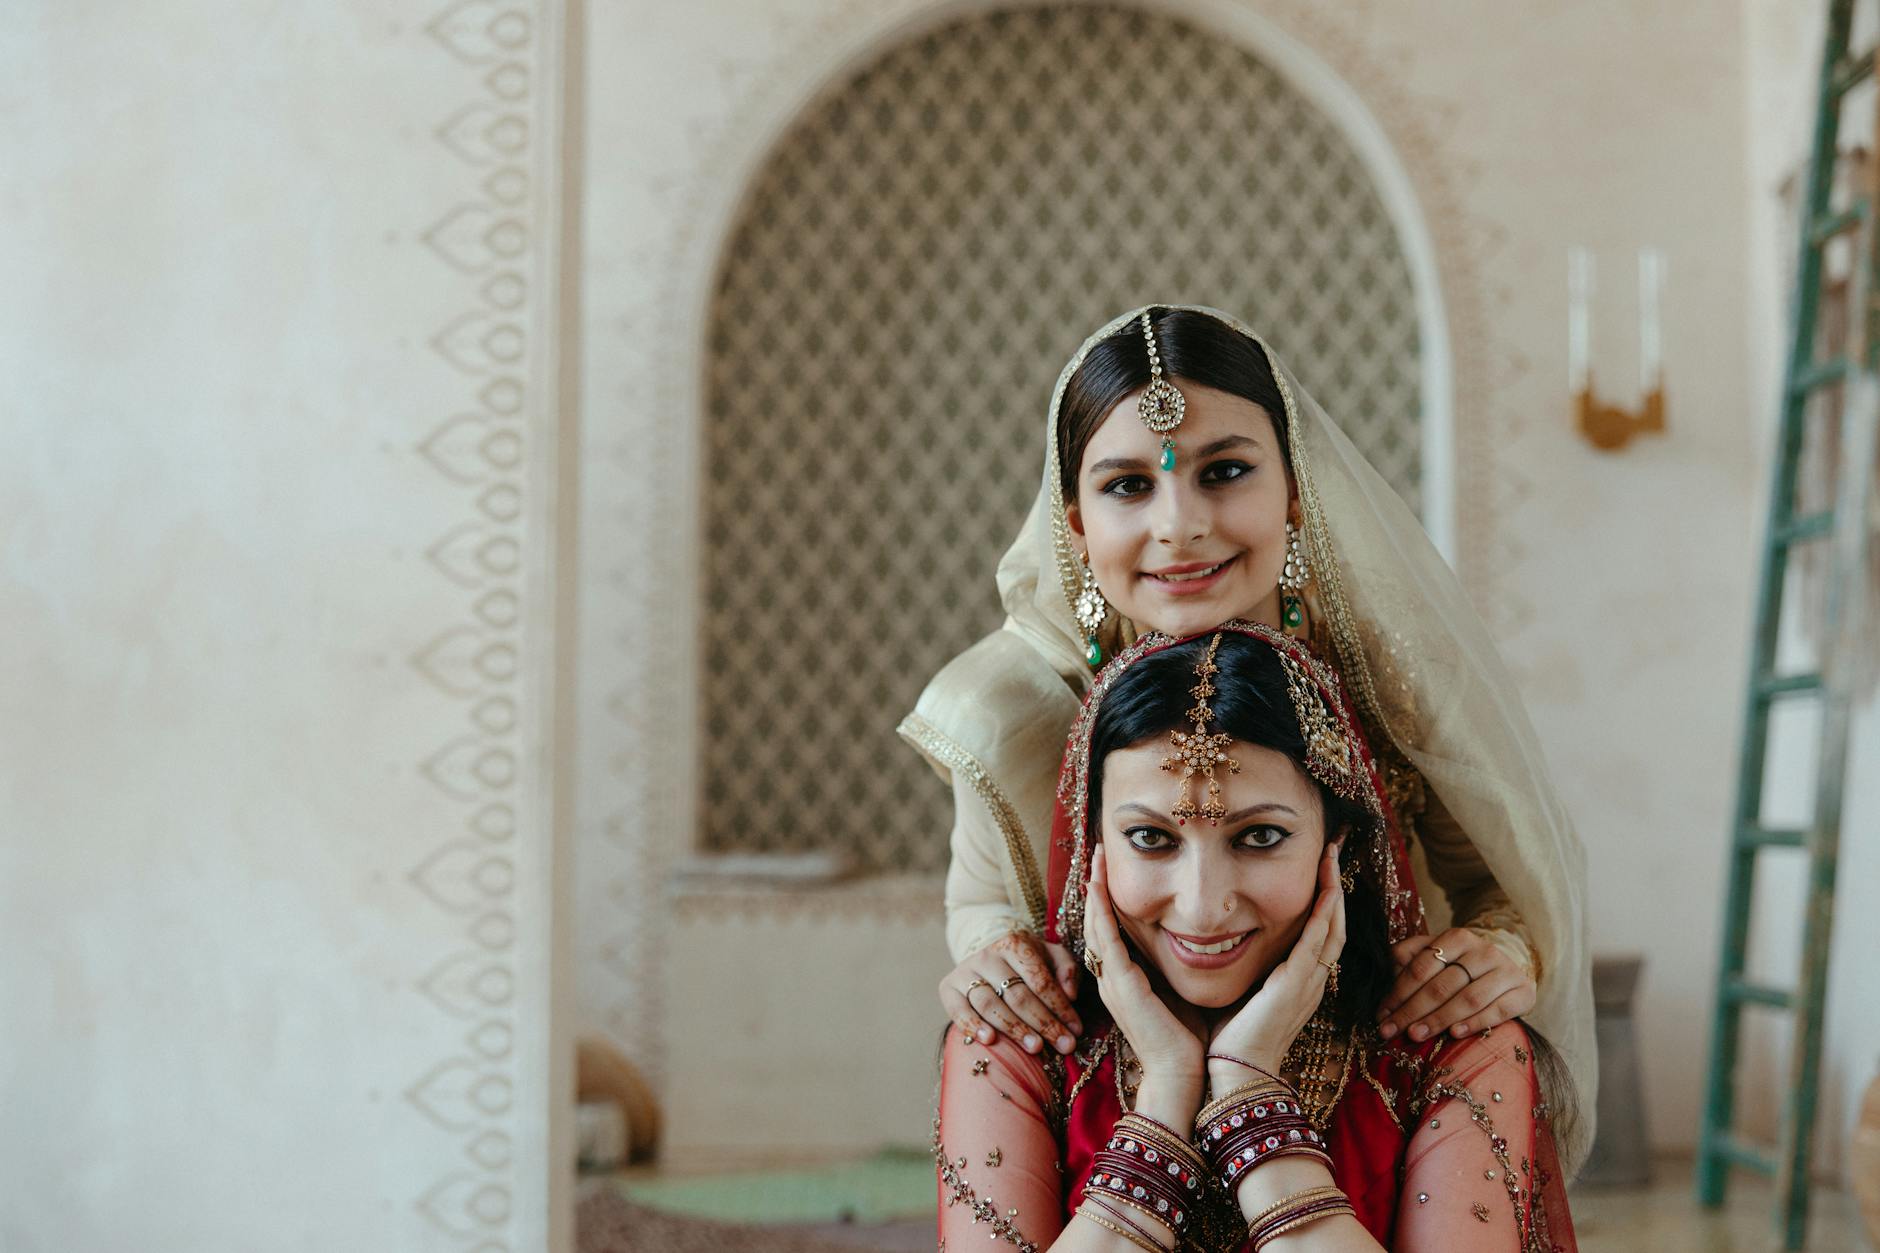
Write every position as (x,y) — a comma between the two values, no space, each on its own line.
(1459,759)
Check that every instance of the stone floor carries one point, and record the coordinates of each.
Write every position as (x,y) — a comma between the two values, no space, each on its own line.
(1665,1217)
(1661,1218)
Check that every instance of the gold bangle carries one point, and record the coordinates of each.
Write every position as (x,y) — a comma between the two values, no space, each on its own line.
(1245,1093)
(1309,1194)
(1305,1221)
(1105,1197)
(1141,1242)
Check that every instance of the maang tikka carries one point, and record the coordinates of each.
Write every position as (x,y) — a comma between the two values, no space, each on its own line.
(1161,407)
(1198,752)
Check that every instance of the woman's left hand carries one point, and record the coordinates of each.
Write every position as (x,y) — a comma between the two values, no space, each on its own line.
(1266,1025)
(1456,982)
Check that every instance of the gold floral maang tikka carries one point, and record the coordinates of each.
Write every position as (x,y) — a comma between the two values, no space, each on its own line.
(1199,751)
(1161,407)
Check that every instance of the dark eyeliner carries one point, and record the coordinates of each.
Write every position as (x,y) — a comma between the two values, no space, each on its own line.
(1130,834)
(1283,835)
(1112,487)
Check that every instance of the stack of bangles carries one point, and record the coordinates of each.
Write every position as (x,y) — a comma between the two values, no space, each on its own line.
(1258,1122)
(1146,1171)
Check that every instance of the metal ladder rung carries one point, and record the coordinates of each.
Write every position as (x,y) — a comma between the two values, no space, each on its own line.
(1734,1150)
(1829,225)
(1774,685)
(1851,73)
(1808,378)
(1803,527)
(1854,373)
(1741,991)
(1755,835)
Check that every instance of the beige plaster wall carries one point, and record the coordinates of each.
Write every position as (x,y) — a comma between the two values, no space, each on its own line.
(1619,584)
(1784,41)
(801,1022)
(277,567)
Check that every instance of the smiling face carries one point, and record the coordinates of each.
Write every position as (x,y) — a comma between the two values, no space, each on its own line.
(1184,550)
(1213,908)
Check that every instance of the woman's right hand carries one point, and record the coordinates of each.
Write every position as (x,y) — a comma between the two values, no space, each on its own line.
(1038,982)
(1167,1047)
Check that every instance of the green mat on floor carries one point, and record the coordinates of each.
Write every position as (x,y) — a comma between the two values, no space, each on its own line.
(893,1184)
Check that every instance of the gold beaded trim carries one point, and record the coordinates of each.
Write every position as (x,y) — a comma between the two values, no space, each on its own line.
(959,1192)
(1017,845)
(1530,1214)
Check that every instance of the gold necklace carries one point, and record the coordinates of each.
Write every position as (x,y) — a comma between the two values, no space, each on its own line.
(1126,1063)
(1321,1059)
(1088,1064)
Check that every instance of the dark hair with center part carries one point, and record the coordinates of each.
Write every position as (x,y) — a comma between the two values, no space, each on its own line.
(1194,347)
(1251,703)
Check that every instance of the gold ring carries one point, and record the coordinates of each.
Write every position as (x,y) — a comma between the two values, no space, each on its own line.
(977,983)
(1437,953)
(1331,966)
(1006,983)
(1092,962)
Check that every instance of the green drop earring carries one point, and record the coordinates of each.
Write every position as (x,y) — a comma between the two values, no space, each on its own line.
(1292,581)
(1091,611)
(1161,407)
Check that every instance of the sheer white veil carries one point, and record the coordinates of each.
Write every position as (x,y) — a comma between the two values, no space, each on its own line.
(1417,662)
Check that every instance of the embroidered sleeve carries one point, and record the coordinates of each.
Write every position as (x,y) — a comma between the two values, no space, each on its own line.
(1474,1171)
(1476,899)
(996,1147)
(980,908)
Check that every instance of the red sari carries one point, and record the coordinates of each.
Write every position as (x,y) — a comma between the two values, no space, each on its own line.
(1441,1147)
(1471,1168)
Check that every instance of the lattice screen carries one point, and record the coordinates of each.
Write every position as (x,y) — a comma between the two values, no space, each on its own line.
(920,255)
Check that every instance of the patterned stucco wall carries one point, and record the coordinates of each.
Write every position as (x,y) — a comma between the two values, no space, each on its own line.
(916,259)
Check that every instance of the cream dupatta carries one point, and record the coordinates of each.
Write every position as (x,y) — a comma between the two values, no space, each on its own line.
(1441,710)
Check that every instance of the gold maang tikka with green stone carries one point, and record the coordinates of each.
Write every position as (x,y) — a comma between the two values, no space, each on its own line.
(1161,407)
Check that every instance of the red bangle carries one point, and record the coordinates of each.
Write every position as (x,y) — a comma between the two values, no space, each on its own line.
(1240,1134)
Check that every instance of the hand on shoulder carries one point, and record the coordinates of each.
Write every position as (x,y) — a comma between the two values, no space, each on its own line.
(1018,987)
(1459,982)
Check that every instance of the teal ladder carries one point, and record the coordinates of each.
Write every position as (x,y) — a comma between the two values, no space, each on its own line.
(1843,527)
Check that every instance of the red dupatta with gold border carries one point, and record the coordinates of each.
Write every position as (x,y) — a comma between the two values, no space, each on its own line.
(1386,1130)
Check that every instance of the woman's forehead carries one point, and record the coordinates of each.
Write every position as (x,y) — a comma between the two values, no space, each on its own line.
(1135,775)
(1210,413)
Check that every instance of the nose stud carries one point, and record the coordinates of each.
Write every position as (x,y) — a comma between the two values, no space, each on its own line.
(1228,905)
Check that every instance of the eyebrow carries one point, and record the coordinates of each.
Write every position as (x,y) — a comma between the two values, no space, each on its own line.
(1201,454)
(1239,815)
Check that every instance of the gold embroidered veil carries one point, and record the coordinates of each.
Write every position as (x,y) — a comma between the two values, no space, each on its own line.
(1421,671)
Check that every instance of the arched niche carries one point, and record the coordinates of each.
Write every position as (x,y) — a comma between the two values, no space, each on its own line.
(910,262)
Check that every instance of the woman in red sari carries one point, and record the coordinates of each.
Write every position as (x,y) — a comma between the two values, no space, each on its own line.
(1219,856)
